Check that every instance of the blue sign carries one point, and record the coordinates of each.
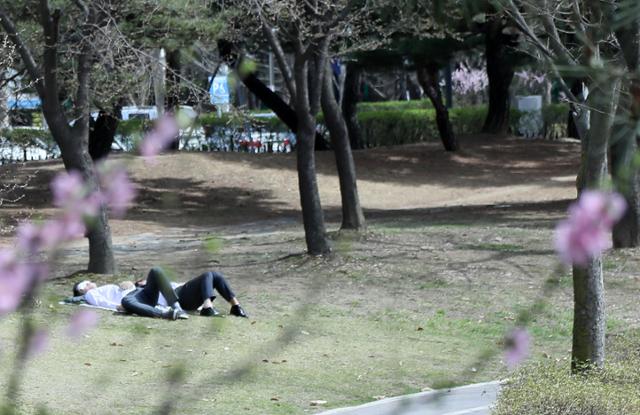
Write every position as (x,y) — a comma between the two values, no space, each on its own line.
(27,103)
(219,90)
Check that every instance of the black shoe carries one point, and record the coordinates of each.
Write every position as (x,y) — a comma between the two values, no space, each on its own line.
(209,312)
(237,311)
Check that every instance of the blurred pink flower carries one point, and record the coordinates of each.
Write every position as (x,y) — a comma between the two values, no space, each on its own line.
(37,343)
(586,232)
(165,131)
(81,322)
(14,281)
(517,345)
(67,188)
(117,190)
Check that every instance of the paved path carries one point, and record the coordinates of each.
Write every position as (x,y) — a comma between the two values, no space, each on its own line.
(465,400)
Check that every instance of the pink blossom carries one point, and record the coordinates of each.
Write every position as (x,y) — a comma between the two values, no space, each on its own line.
(14,281)
(67,188)
(586,233)
(81,322)
(118,191)
(37,343)
(517,345)
(29,237)
(165,131)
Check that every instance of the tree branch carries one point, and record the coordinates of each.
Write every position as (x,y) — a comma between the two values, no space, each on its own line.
(276,46)
(25,52)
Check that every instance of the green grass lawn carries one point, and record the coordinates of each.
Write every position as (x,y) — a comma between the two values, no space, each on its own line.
(394,311)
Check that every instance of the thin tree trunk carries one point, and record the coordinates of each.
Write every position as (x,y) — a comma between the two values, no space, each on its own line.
(626,175)
(500,71)
(312,215)
(352,216)
(158,74)
(306,104)
(350,101)
(589,304)
(172,88)
(428,78)
(626,178)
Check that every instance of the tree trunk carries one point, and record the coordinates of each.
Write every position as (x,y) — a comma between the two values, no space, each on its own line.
(626,179)
(350,101)
(589,304)
(428,78)
(76,157)
(158,74)
(352,216)
(173,87)
(500,70)
(312,215)
(573,130)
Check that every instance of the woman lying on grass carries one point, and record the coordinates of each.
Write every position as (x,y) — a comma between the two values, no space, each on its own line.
(142,297)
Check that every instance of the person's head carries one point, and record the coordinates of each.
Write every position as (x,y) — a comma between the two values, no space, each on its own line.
(81,287)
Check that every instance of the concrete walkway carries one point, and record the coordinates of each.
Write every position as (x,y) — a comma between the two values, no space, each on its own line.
(465,400)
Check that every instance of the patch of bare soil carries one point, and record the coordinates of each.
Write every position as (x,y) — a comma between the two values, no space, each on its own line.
(222,189)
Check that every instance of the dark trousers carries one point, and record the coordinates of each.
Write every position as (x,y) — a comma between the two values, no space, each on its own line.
(142,301)
(193,293)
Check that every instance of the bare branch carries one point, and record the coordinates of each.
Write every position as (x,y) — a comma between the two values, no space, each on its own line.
(25,52)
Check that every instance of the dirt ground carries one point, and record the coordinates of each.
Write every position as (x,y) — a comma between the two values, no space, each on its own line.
(225,189)
(456,245)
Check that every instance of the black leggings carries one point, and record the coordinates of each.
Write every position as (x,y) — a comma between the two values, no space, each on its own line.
(192,294)
(142,301)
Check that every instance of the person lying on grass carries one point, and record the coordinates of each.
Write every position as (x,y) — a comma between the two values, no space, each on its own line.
(142,297)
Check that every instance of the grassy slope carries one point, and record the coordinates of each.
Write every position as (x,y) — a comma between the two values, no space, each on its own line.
(396,311)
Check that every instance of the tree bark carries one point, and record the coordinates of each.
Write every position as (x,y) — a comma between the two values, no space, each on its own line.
(428,78)
(626,175)
(350,101)
(626,179)
(352,216)
(306,103)
(500,70)
(589,304)
(172,89)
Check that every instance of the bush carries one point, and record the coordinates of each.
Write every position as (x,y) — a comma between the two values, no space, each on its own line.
(550,389)
(419,104)
(27,137)
(386,128)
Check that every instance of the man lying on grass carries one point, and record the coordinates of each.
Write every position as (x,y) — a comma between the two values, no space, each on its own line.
(142,297)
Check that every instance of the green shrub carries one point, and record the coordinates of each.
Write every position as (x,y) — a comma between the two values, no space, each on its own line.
(550,389)
(419,104)
(26,137)
(395,127)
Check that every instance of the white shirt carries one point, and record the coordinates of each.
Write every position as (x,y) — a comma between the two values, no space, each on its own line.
(106,296)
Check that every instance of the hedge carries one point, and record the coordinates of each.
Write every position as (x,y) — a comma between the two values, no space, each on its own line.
(549,388)
(381,127)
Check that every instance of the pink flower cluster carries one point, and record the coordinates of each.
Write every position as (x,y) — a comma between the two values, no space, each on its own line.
(587,230)
(517,345)
(165,131)
(22,267)
(466,80)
